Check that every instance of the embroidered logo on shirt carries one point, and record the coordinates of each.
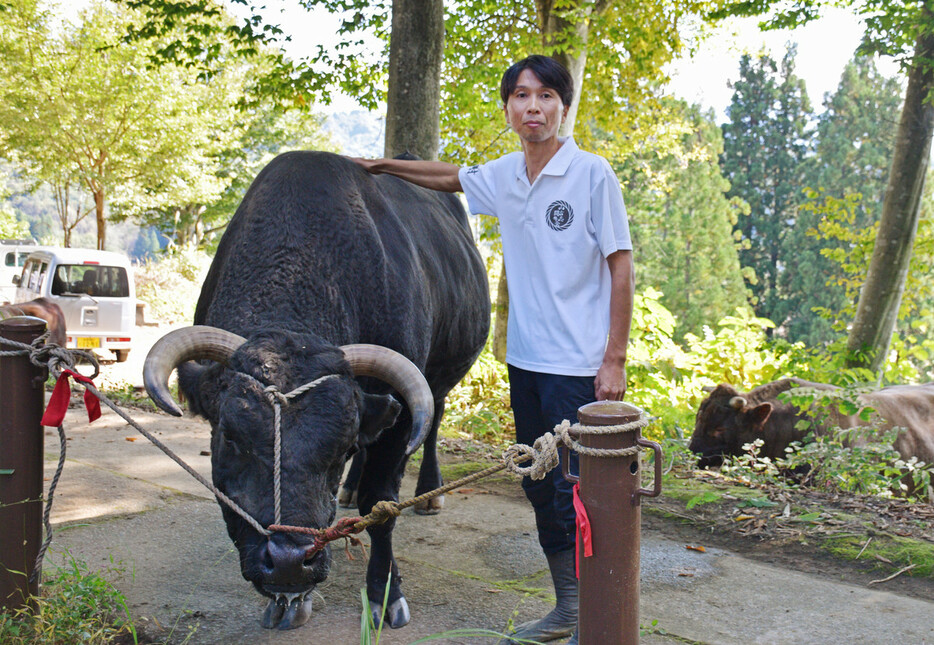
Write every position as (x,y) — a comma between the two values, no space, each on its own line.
(473,170)
(559,215)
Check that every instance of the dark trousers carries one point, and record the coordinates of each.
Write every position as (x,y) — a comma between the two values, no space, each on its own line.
(539,403)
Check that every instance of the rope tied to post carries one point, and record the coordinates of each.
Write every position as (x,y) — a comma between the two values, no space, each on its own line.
(563,430)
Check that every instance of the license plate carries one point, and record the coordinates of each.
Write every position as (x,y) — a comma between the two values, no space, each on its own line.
(87,343)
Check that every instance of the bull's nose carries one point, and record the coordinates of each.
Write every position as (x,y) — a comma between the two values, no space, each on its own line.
(285,563)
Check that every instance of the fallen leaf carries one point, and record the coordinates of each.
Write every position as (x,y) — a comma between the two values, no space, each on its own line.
(691,547)
(130,438)
(685,575)
(205,453)
(740,518)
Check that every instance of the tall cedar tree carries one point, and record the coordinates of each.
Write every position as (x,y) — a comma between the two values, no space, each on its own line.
(856,136)
(764,145)
(682,223)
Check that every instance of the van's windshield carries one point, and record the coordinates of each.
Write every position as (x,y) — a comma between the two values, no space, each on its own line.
(91,279)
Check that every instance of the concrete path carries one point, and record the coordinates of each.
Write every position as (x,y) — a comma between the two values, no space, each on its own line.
(120,501)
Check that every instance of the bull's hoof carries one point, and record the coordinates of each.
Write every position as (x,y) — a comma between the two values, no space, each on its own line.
(347,498)
(282,613)
(431,506)
(396,614)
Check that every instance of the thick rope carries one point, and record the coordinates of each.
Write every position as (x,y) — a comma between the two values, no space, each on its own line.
(46,514)
(544,456)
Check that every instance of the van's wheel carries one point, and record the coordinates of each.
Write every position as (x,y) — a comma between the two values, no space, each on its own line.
(122,355)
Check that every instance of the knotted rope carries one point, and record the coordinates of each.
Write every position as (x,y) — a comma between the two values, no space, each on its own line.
(544,456)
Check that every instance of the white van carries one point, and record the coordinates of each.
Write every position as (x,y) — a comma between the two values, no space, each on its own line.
(95,291)
(13,255)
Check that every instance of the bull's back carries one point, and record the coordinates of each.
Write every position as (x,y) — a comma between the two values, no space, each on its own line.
(910,407)
(320,245)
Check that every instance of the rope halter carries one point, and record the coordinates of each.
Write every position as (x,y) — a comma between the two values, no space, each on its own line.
(277,399)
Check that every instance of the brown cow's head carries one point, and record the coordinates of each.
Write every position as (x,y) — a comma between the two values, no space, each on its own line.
(725,422)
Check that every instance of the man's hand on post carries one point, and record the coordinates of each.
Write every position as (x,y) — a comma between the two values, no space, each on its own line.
(610,383)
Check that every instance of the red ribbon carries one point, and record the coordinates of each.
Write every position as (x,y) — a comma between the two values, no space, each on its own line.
(583,528)
(61,395)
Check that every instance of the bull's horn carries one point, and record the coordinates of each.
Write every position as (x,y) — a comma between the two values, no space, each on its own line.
(395,369)
(178,346)
(738,402)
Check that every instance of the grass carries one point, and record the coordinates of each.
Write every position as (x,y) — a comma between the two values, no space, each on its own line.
(75,605)
(885,551)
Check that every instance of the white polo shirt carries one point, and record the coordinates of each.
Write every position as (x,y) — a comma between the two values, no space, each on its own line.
(556,235)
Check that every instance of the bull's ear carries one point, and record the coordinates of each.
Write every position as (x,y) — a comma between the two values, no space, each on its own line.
(379,411)
(759,415)
(191,381)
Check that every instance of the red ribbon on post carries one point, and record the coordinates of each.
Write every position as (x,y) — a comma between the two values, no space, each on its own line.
(61,395)
(583,528)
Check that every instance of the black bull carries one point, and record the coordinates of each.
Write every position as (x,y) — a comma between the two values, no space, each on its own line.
(320,258)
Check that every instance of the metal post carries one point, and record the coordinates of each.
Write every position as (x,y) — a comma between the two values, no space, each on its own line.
(611,493)
(22,397)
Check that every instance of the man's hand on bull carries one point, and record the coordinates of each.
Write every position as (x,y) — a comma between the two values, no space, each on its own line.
(436,175)
(610,383)
(367,164)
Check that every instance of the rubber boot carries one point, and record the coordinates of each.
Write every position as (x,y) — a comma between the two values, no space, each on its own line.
(562,620)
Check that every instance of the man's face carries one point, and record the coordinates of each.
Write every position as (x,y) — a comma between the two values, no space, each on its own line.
(534,111)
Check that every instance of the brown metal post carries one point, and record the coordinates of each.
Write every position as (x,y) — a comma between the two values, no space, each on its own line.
(610,492)
(22,396)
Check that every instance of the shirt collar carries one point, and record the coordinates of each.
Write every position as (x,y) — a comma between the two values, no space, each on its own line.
(558,164)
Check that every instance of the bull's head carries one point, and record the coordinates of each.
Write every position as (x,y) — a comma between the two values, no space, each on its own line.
(319,429)
(725,422)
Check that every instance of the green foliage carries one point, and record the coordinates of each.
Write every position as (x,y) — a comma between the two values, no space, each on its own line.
(76,606)
(848,247)
(478,406)
(855,140)
(682,225)
(170,284)
(627,48)
(667,379)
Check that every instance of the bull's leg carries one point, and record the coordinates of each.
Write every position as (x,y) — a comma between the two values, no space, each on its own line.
(429,474)
(347,497)
(380,480)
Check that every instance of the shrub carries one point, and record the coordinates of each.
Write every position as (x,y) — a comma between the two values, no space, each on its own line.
(76,606)
(170,285)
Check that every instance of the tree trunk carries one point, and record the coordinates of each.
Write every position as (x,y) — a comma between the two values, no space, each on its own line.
(557,29)
(501,309)
(101,221)
(554,28)
(881,294)
(415,50)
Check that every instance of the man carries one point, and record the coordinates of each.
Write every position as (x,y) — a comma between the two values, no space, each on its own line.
(568,259)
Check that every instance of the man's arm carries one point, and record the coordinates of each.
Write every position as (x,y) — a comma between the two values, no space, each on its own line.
(610,383)
(436,175)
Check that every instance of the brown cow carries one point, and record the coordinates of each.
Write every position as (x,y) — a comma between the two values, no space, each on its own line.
(43,308)
(728,419)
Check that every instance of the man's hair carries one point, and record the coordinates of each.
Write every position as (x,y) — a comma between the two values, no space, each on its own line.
(550,72)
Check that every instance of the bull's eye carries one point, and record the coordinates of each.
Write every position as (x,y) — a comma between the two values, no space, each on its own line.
(232,446)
